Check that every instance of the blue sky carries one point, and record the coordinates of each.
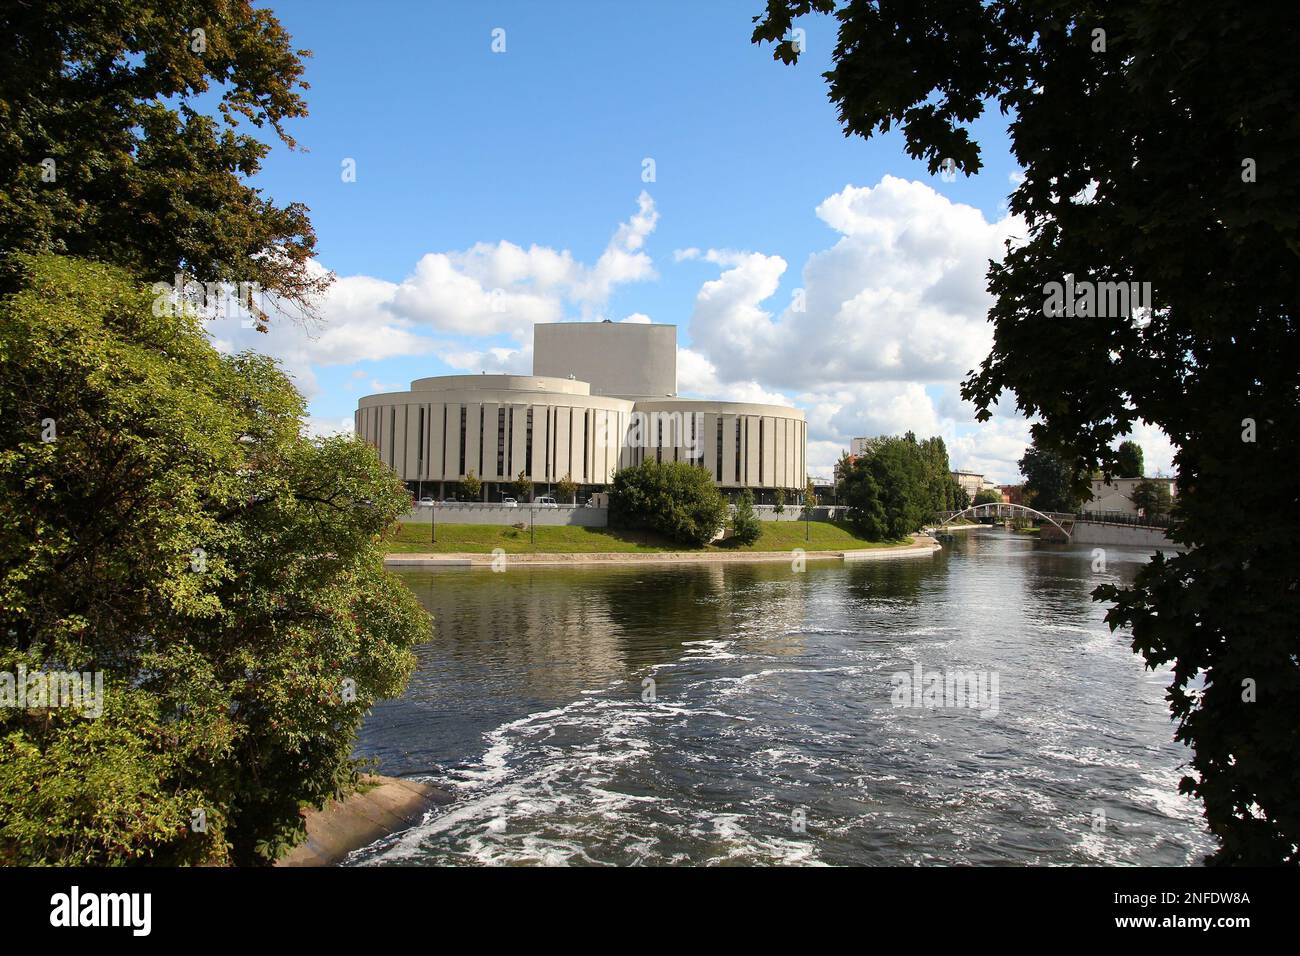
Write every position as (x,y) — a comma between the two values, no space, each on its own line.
(522,172)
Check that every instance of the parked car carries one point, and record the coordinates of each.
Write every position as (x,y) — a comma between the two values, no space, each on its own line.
(426,502)
(509,502)
(545,502)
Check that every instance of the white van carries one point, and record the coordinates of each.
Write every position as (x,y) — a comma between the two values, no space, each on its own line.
(545,502)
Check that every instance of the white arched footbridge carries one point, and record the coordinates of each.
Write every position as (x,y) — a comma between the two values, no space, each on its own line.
(1001,509)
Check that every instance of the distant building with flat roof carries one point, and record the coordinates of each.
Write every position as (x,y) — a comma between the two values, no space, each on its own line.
(1117,494)
(972,482)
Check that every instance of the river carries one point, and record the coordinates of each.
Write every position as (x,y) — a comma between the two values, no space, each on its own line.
(755,714)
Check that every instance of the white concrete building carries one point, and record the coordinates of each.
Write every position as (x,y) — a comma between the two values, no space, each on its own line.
(972,482)
(1116,495)
(604,397)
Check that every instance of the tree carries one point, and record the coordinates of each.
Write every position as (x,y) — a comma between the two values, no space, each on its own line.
(164,522)
(960,498)
(522,487)
(567,490)
(1193,189)
(866,510)
(780,501)
(108,153)
(987,496)
(1049,483)
(675,499)
(471,488)
(893,487)
(809,495)
(745,526)
(1128,461)
(1152,498)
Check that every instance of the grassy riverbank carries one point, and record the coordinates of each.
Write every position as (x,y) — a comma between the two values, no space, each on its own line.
(483,539)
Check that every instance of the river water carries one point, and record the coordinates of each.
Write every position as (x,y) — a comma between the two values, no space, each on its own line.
(778,728)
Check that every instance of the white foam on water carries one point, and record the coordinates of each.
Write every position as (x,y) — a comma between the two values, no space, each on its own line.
(532,800)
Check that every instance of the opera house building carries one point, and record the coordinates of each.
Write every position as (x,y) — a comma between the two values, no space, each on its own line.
(602,396)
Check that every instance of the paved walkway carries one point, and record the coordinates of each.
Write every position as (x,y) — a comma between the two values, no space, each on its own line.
(921,546)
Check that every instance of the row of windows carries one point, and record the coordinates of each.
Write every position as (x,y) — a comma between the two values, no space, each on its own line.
(686,446)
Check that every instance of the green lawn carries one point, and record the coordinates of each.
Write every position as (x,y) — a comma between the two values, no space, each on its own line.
(483,539)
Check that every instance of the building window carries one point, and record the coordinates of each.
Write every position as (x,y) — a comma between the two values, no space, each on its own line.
(719,449)
(442,462)
(420,447)
(481,412)
(760,451)
(740,427)
(501,440)
(546,447)
(586,437)
(528,443)
(463,432)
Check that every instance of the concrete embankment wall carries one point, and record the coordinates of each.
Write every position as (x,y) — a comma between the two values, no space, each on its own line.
(471,513)
(386,805)
(795,513)
(578,515)
(921,546)
(1130,536)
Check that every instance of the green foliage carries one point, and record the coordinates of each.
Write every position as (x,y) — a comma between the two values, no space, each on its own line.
(809,495)
(522,487)
(223,573)
(115,789)
(1196,193)
(114,94)
(1129,460)
(745,526)
(471,488)
(959,497)
(1152,498)
(674,499)
(1049,481)
(567,489)
(780,501)
(987,496)
(896,485)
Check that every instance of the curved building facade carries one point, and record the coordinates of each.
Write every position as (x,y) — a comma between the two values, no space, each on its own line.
(551,427)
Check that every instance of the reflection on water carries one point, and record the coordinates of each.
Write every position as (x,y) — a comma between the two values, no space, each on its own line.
(772,736)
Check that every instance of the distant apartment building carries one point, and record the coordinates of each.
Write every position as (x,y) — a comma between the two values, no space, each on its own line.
(1117,494)
(972,482)
(858,446)
(1013,494)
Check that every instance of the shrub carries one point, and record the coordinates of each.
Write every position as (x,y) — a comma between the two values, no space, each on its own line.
(522,487)
(567,490)
(745,526)
(471,488)
(674,499)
